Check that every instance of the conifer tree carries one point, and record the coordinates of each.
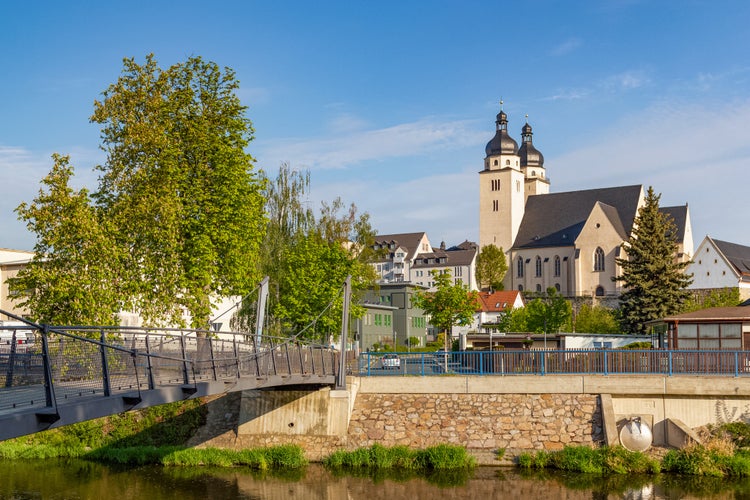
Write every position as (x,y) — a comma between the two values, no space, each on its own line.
(655,282)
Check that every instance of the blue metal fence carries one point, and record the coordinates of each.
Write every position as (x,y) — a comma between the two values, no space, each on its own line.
(558,362)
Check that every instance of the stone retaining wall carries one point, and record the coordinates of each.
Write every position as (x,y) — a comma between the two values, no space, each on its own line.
(483,423)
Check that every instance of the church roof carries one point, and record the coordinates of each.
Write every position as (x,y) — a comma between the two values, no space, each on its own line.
(530,155)
(502,143)
(556,219)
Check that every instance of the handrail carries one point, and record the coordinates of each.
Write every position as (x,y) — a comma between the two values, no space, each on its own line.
(68,367)
(734,363)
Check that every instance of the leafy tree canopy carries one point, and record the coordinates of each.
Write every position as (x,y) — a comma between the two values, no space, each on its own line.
(69,281)
(307,259)
(452,304)
(655,282)
(178,214)
(548,313)
(491,267)
(596,319)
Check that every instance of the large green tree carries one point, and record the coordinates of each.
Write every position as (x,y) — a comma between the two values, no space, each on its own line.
(548,313)
(70,279)
(491,267)
(654,280)
(179,187)
(451,304)
(307,259)
(596,319)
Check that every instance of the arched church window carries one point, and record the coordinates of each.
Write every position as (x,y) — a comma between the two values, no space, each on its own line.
(557,265)
(519,267)
(538,288)
(518,186)
(599,259)
(496,163)
(557,287)
(507,163)
(600,291)
(538,266)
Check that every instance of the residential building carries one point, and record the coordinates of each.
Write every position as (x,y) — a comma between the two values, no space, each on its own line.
(720,264)
(570,240)
(410,258)
(11,261)
(398,319)
(493,306)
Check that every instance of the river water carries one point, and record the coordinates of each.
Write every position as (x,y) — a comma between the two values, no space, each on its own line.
(74,479)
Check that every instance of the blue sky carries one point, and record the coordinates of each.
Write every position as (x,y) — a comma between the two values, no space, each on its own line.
(390,104)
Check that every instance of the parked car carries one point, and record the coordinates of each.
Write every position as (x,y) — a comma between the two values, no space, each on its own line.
(390,361)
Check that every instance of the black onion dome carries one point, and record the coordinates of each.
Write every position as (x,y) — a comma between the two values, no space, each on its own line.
(502,143)
(530,155)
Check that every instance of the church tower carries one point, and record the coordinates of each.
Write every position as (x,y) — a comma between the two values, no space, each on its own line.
(501,189)
(532,165)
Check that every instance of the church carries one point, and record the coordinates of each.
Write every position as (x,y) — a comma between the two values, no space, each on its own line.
(568,240)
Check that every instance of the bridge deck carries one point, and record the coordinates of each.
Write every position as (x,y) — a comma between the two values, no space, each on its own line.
(64,376)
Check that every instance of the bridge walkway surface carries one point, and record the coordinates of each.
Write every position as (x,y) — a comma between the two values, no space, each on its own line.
(52,376)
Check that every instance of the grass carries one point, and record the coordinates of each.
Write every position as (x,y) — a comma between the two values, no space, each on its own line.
(434,458)
(588,460)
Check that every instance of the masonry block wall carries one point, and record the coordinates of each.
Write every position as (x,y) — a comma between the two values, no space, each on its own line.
(488,422)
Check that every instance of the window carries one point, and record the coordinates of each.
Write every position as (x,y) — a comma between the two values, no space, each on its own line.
(519,268)
(557,265)
(457,281)
(600,291)
(507,163)
(602,345)
(599,259)
(538,288)
(388,320)
(495,205)
(496,163)
(518,186)
(457,271)
(538,267)
(557,287)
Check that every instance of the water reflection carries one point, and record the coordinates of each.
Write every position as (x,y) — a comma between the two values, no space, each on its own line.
(86,480)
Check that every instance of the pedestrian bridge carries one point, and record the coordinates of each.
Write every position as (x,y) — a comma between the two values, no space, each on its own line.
(52,376)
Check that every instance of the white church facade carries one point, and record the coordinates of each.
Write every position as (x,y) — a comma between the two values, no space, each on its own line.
(568,241)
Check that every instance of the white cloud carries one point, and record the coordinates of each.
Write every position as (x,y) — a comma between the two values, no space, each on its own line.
(347,123)
(699,155)
(444,206)
(347,150)
(566,47)
(568,95)
(627,80)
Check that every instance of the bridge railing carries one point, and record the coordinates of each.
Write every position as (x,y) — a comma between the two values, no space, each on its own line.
(62,364)
(556,362)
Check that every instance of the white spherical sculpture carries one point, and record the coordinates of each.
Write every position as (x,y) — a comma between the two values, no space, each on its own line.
(636,435)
